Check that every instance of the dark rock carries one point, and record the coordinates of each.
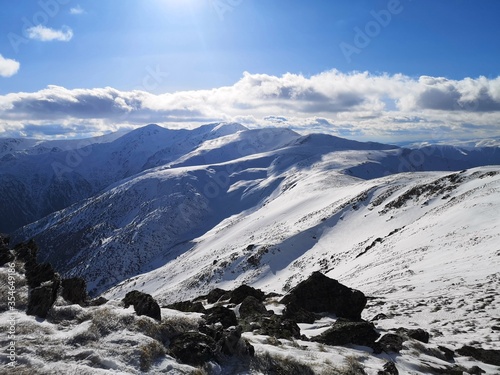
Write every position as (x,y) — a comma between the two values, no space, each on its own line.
(193,348)
(187,306)
(26,251)
(74,290)
(321,294)
(98,301)
(389,369)
(217,294)
(36,274)
(251,306)
(380,316)
(298,314)
(231,344)
(476,370)
(222,315)
(279,328)
(391,342)
(41,298)
(419,335)
(6,256)
(490,356)
(144,304)
(449,354)
(243,291)
(348,332)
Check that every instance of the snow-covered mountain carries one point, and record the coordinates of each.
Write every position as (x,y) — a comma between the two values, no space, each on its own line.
(182,212)
(229,174)
(38,178)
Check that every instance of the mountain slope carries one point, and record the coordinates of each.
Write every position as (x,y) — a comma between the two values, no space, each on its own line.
(159,215)
(38,180)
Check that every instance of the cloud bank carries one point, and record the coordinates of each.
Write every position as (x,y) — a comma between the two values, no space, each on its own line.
(46,34)
(8,67)
(357,105)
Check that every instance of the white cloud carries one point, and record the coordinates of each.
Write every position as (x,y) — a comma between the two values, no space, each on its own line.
(46,34)
(359,105)
(77,10)
(8,67)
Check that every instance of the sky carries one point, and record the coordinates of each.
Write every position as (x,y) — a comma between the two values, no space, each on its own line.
(391,70)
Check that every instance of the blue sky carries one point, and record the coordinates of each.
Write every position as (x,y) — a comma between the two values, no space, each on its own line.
(436,62)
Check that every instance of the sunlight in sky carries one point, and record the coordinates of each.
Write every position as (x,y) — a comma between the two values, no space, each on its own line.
(369,67)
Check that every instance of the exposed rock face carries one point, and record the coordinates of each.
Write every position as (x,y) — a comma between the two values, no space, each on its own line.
(490,356)
(279,328)
(347,332)
(222,315)
(298,314)
(41,298)
(391,342)
(389,369)
(251,306)
(187,306)
(217,294)
(74,290)
(243,291)
(144,304)
(6,256)
(418,334)
(321,294)
(193,348)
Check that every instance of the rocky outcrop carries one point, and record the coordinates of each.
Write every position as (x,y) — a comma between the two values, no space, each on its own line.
(389,369)
(74,290)
(490,356)
(251,306)
(348,332)
(243,291)
(220,314)
(193,348)
(41,298)
(144,304)
(187,306)
(321,294)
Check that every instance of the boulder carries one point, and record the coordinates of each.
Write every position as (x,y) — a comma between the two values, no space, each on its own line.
(222,315)
(41,298)
(217,294)
(391,342)
(36,274)
(345,332)
(449,354)
(98,301)
(193,348)
(389,369)
(251,306)
(187,306)
(490,356)
(144,304)
(298,314)
(6,256)
(74,290)
(243,291)
(321,294)
(279,328)
(417,334)
(26,251)
(231,344)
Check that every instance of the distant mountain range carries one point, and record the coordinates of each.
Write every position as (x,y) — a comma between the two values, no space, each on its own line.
(114,207)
